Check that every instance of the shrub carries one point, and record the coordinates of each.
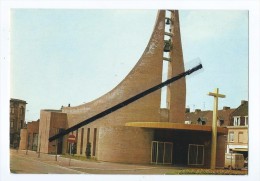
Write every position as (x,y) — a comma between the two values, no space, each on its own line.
(88,150)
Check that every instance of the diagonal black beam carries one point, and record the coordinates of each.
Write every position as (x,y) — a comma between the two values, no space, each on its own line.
(126,102)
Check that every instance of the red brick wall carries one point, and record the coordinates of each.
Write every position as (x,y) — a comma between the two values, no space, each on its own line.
(176,93)
(146,73)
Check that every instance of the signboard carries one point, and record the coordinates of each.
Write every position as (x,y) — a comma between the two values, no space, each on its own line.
(72,139)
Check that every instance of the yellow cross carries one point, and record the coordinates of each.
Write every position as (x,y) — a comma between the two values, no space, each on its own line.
(216,95)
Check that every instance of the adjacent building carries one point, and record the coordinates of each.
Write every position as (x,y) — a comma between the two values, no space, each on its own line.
(238,130)
(17,120)
(29,136)
(205,117)
(235,119)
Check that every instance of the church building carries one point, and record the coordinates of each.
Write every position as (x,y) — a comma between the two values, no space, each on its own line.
(141,132)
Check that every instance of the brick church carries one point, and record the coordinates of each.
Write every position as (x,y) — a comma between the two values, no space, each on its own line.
(141,132)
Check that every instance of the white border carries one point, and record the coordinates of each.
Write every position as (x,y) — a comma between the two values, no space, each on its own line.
(254,98)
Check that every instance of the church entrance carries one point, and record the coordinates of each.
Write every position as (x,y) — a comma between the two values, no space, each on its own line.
(161,152)
(187,147)
(196,154)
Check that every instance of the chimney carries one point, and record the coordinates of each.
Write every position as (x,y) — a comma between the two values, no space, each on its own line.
(197,110)
(226,108)
(243,102)
(187,110)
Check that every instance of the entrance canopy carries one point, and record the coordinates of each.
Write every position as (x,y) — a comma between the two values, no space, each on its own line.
(176,126)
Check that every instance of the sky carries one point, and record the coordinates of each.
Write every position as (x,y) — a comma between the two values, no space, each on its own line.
(61,57)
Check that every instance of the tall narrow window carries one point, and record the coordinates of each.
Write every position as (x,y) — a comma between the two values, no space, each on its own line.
(246,120)
(12,123)
(231,136)
(12,110)
(88,135)
(81,140)
(94,142)
(75,144)
(21,110)
(237,121)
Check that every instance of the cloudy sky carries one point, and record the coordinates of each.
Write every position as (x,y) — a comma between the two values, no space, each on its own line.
(74,56)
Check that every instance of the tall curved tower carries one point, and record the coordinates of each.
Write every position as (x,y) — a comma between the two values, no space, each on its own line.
(110,136)
(176,93)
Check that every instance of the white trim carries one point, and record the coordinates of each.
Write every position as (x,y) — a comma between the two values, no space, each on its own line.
(246,120)
(237,120)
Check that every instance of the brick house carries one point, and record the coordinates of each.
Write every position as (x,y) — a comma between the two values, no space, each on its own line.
(29,136)
(17,120)
(238,130)
(205,117)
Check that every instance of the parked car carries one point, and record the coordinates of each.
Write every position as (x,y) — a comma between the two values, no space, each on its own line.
(234,161)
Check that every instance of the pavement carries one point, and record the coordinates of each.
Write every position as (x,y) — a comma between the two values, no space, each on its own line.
(23,161)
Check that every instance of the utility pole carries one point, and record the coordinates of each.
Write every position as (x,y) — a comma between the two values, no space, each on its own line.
(216,95)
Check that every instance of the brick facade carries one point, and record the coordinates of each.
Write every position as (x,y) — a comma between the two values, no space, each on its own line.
(17,120)
(110,137)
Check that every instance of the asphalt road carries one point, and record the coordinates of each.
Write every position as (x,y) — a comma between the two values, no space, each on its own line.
(28,165)
(32,163)
(23,163)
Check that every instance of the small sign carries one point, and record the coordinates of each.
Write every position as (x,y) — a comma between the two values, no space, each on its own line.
(72,139)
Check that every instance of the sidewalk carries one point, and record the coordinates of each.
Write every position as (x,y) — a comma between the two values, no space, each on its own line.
(96,167)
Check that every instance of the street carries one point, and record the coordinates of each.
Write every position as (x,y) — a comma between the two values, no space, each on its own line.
(33,163)
(22,163)
(27,165)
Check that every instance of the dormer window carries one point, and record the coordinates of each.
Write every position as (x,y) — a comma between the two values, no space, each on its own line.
(220,122)
(236,120)
(187,122)
(202,121)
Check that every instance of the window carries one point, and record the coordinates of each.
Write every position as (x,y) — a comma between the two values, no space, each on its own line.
(231,136)
(94,142)
(81,141)
(246,120)
(35,141)
(237,121)
(88,135)
(240,137)
(188,122)
(12,110)
(161,152)
(220,122)
(22,111)
(12,123)
(196,154)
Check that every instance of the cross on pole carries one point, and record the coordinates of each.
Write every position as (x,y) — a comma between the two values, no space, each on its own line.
(216,95)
